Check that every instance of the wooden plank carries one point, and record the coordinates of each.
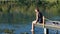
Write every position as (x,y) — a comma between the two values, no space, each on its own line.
(49,26)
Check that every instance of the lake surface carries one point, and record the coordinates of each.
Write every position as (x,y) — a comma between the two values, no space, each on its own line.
(23,28)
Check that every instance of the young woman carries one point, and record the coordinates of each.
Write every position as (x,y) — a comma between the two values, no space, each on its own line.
(39,18)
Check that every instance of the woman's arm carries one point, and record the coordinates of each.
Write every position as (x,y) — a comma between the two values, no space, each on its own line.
(36,16)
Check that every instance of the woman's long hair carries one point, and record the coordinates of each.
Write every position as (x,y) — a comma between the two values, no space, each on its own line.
(37,9)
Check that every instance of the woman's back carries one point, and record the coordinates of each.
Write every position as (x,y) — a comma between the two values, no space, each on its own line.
(40,17)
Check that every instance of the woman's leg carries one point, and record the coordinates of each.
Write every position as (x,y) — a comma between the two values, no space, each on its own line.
(33,25)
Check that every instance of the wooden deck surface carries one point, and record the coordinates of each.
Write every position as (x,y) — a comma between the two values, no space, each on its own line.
(49,25)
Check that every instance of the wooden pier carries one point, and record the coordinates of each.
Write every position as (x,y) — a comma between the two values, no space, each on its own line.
(47,25)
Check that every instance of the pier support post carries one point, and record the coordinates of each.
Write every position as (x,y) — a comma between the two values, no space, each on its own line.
(46,31)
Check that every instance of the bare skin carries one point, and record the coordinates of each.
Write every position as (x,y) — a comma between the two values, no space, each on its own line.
(35,21)
(36,15)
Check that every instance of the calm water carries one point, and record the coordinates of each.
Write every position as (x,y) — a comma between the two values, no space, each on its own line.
(23,28)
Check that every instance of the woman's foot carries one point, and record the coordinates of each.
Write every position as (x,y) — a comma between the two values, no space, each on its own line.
(32,30)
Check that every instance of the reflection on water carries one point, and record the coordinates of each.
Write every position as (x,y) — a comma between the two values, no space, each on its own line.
(33,32)
(22,29)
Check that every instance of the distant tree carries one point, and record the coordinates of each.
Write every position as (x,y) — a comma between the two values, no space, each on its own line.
(0,9)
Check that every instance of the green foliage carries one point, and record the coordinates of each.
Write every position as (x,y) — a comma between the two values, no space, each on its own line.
(23,10)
